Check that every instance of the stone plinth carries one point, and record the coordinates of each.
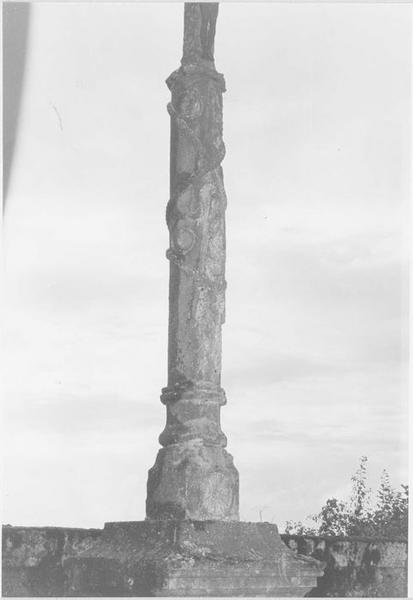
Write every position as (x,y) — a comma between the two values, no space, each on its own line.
(41,561)
(189,558)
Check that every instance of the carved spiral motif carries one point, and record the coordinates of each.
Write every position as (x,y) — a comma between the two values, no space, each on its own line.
(184,238)
(203,131)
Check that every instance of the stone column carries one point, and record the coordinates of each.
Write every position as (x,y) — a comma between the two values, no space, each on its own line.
(192,543)
(193,476)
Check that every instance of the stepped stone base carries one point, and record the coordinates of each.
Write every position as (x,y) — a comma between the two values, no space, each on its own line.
(189,558)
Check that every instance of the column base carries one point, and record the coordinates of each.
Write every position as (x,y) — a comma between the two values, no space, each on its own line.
(189,558)
(191,480)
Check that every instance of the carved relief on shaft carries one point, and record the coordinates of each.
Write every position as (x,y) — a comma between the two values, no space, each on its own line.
(196,221)
(194,477)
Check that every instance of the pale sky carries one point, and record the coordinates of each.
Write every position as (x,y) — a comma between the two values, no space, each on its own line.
(316,125)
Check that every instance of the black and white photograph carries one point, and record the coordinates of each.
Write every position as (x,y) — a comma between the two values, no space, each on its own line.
(205,299)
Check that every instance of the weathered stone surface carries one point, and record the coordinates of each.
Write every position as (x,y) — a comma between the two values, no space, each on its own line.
(32,558)
(198,482)
(194,477)
(356,567)
(184,558)
(234,559)
(52,561)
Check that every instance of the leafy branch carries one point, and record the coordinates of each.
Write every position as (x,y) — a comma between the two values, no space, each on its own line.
(360,515)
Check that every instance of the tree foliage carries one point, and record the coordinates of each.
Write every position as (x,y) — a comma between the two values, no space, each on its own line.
(385,515)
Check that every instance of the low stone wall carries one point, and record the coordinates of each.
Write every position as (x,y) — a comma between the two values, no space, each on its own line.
(32,558)
(355,567)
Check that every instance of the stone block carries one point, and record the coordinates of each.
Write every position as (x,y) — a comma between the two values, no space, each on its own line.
(189,558)
(356,566)
(193,481)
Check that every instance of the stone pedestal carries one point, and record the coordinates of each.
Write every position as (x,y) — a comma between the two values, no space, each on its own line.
(193,481)
(189,558)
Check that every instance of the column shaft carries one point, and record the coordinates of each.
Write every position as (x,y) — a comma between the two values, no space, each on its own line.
(194,476)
